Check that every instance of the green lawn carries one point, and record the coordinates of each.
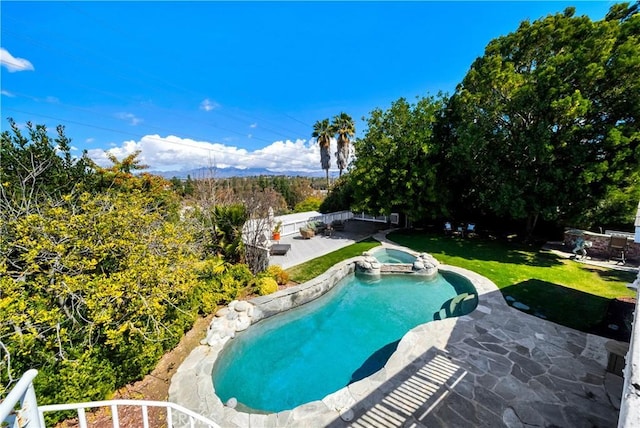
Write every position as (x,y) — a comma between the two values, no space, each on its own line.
(573,294)
(309,270)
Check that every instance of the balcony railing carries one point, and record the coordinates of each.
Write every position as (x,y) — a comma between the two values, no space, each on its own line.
(630,405)
(20,409)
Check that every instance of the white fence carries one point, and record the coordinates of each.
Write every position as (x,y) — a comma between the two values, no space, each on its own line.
(293,227)
(367,217)
(20,409)
(328,218)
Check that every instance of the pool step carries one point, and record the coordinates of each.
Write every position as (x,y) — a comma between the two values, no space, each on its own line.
(396,267)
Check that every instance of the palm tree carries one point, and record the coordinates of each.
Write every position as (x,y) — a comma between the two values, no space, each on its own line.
(322,132)
(343,125)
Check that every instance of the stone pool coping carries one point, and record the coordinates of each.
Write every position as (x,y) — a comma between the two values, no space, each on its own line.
(192,384)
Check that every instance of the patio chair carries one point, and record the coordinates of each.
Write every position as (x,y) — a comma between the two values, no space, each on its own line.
(337,225)
(618,246)
(471,230)
(448,229)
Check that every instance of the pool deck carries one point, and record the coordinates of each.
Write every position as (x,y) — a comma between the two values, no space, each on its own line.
(496,367)
(303,250)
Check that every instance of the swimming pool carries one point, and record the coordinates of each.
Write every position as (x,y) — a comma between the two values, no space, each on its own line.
(306,353)
(391,255)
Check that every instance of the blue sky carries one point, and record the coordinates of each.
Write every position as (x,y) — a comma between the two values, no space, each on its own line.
(194,84)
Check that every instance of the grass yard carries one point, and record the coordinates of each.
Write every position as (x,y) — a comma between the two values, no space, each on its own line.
(309,270)
(573,294)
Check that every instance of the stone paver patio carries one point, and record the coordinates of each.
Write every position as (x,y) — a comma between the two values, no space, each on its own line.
(499,367)
(496,367)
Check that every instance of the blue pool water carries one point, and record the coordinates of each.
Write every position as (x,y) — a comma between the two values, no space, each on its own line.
(391,255)
(306,353)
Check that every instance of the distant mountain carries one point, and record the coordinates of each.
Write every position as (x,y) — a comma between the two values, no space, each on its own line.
(235,172)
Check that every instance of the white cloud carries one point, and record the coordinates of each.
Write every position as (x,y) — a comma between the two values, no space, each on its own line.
(208,105)
(253,125)
(173,153)
(129,117)
(89,140)
(7,93)
(12,63)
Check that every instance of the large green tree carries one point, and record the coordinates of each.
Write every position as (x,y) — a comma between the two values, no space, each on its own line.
(322,132)
(343,125)
(545,123)
(396,161)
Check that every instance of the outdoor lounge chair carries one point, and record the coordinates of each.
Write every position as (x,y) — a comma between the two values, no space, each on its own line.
(618,246)
(317,226)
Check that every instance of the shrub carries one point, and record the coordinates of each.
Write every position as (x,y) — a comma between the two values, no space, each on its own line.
(221,283)
(266,285)
(96,287)
(280,275)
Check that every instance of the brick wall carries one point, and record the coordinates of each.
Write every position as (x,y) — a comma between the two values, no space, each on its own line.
(600,244)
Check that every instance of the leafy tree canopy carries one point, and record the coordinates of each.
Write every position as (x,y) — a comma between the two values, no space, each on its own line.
(35,166)
(545,122)
(395,166)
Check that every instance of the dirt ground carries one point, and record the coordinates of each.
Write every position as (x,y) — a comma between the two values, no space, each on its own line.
(154,386)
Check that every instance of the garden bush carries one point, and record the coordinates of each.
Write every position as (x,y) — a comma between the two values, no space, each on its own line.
(100,280)
(280,275)
(266,285)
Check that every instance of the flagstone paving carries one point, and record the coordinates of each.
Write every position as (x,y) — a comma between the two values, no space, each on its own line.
(496,367)
(499,368)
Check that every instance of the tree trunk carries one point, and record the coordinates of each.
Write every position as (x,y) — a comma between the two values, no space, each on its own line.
(532,220)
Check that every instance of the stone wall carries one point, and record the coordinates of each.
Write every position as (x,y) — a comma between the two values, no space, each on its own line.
(283,300)
(600,244)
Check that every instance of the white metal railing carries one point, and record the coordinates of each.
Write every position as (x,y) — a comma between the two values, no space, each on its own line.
(24,395)
(330,217)
(630,403)
(177,416)
(30,415)
(367,217)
